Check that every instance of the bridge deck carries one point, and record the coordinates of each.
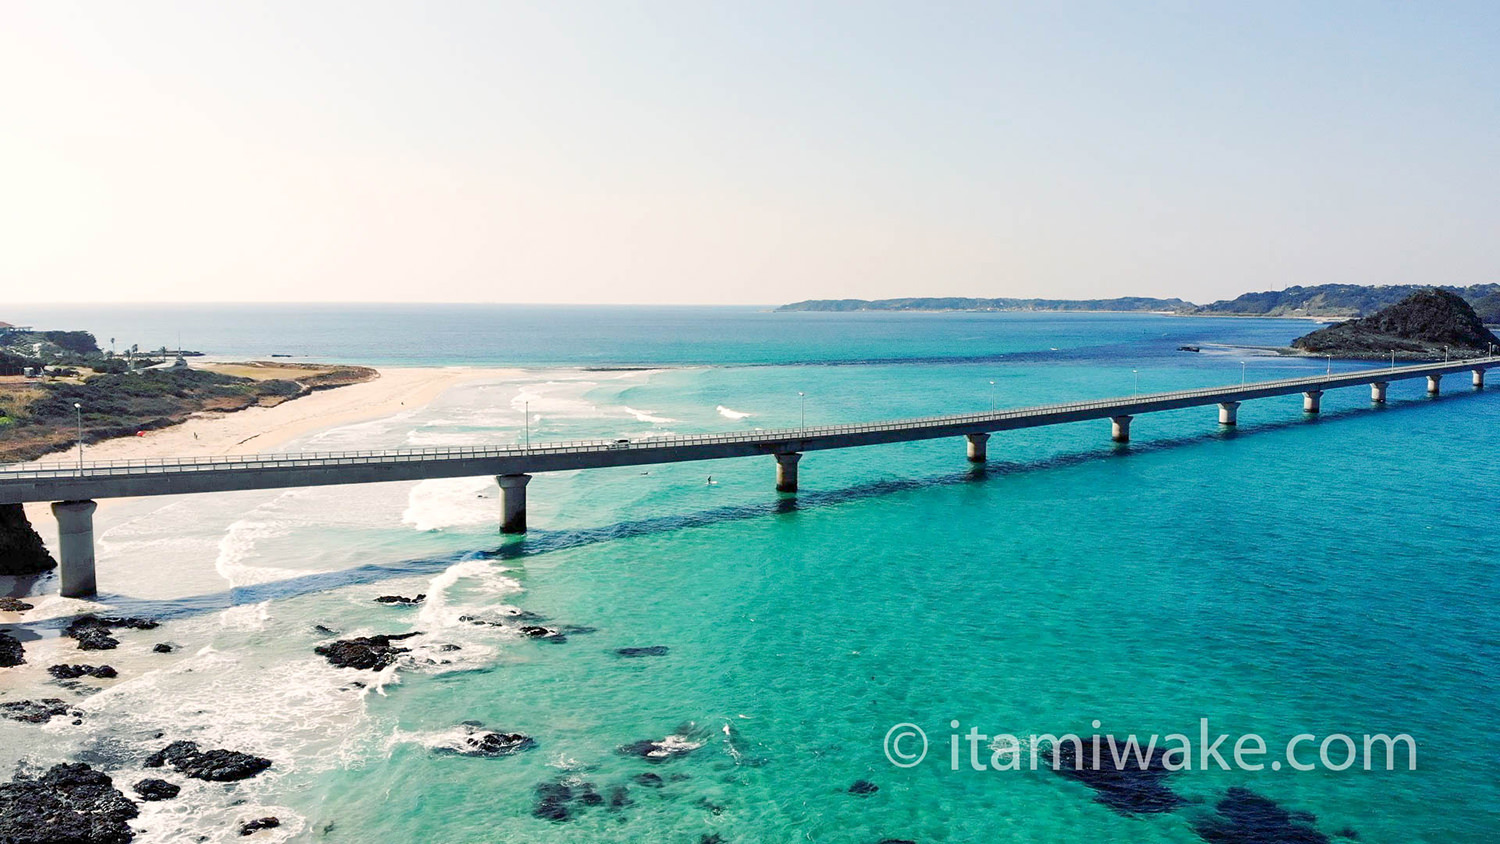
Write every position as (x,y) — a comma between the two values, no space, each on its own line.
(61,481)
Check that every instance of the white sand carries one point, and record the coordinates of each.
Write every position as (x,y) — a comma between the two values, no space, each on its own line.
(267,429)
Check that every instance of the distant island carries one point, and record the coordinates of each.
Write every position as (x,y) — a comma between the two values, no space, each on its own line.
(1427,324)
(1323,301)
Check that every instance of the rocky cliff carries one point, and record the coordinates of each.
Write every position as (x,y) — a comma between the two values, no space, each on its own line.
(1428,323)
(21,550)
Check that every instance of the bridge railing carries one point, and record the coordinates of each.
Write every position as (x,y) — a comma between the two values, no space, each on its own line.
(64,468)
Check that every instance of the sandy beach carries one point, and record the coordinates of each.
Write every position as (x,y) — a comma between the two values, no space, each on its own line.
(267,429)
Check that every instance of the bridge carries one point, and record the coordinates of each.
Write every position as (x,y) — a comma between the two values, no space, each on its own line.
(74,487)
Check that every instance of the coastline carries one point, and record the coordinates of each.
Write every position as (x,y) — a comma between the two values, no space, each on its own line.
(266,429)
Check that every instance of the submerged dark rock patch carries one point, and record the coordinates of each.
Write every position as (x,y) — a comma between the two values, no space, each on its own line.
(863,787)
(73,672)
(154,789)
(36,711)
(652,650)
(14,605)
(1244,817)
(211,765)
(70,804)
(162,648)
(366,653)
(685,740)
(1138,786)
(11,652)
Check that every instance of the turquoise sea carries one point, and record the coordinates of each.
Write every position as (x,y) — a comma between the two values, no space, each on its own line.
(1296,575)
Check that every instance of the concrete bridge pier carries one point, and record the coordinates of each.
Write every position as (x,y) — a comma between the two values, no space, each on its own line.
(786,471)
(1120,429)
(1434,384)
(979,447)
(1479,379)
(1229,413)
(75,547)
(1377,391)
(513,503)
(1312,401)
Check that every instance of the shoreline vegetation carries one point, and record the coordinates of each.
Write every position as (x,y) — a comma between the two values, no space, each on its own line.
(1324,301)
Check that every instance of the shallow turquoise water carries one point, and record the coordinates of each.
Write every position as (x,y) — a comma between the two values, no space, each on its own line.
(1297,575)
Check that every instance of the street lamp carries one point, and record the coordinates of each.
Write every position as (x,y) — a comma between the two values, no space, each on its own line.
(992,397)
(78,410)
(1393,358)
(802,399)
(1330,365)
(526,409)
(1137,374)
(1242,372)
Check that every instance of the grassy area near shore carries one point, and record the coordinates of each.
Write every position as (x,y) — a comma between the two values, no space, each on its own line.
(38,417)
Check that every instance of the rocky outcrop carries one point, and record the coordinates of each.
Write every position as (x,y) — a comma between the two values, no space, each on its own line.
(480,742)
(259,824)
(92,632)
(36,711)
(154,789)
(1138,786)
(11,652)
(366,653)
(69,803)
(211,765)
(400,599)
(73,672)
(21,549)
(863,787)
(14,605)
(1426,324)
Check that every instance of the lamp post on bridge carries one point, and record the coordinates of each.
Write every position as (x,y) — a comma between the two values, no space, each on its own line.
(992,397)
(1393,358)
(1242,372)
(1137,374)
(526,409)
(1330,365)
(802,400)
(78,411)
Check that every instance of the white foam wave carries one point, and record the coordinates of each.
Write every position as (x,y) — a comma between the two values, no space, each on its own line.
(444,503)
(647,416)
(727,413)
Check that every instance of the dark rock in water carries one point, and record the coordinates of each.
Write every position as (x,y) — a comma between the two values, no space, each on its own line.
(545,634)
(1422,325)
(92,632)
(1244,817)
(14,605)
(21,549)
(449,648)
(478,742)
(863,787)
(211,765)
(162,648)
(73,672)
(588,795)
(649,780)
(710,838)
(326,631)
(11,652)
(1137,787)
(35,711)
(152,789)
(654,650)
(367,653)
(70,804)
(619,797)
(552,799)
(684,741)
(400,599)
(258,824)
(897,841)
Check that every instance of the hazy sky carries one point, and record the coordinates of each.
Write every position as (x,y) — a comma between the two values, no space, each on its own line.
(746,152)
